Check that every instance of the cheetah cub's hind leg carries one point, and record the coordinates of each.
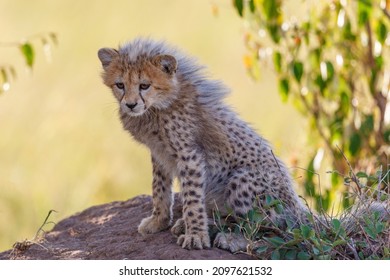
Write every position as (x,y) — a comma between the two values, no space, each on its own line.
(162,202)
(231,242)
(240,195)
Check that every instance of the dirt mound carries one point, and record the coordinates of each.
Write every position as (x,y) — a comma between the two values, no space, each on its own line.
(109,231)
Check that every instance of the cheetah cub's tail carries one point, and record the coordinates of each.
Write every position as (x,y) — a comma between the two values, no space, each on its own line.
(352,220)
(354,217)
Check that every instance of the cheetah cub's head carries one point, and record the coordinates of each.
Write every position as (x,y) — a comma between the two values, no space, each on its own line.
(140,83)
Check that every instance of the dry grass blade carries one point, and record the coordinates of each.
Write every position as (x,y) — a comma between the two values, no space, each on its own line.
(22,246)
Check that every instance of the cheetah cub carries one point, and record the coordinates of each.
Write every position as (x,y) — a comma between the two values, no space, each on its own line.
(167,103)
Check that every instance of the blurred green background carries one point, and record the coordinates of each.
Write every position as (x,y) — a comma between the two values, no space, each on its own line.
(61,143)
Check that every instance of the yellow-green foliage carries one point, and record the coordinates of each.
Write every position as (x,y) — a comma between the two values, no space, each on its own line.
(332,63)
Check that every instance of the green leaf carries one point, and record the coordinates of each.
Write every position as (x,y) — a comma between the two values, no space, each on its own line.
(278,61)
(257,217)
(315,244)
(366,3)
(4,75)
(336,129)
(307,231)
(371,232)
(270,9)
(252,7)
(345,104)
(273,203)
(361,174)
(320,83)
(316,251)
(297,233)
(261,249)
(291,255)
(363,17)
(386,136)
(275,241)
(330,70)
(348,33)
(28,53)
(298,70)
(347,180)
(326,248)
(315,57)
(355,143)
(274,31)
(381,32)
(364,10)
(3,80)
(335,179)
(279,208)
(268,199)
(361,255)
(239,4)
(367,126)
(250,214)
(284,88)
(339,242)
(306,27)
(379,227)
(293,242)
(303,256)
(336,225)
(275,255)
(372,179)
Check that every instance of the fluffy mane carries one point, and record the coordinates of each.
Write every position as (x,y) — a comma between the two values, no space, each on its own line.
(209,91)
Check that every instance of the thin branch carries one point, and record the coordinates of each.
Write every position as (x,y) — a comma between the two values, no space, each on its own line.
(370,53)
(386,13)
(354,178)
(316,119)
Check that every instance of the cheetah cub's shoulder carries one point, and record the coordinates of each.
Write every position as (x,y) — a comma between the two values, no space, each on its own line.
(167,103)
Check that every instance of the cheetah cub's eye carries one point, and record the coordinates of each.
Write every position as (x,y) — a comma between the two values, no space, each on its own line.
(120,85)
(144,86)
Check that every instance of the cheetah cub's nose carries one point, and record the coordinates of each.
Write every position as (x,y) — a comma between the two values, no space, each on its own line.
(131,106)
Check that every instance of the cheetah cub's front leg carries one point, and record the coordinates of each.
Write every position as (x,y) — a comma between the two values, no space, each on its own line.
(162,202)
(194,221)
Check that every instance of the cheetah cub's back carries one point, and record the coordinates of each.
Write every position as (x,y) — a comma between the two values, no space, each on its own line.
(167,103)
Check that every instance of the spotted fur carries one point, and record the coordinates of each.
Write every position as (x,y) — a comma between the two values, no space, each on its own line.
(168,103)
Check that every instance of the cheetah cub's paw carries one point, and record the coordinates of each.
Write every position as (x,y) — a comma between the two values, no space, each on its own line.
(152,224)
(179,227)
(231,242)
(199,240)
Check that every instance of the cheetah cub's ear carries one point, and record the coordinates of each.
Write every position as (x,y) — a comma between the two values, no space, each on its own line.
(166,63)
(106,55)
